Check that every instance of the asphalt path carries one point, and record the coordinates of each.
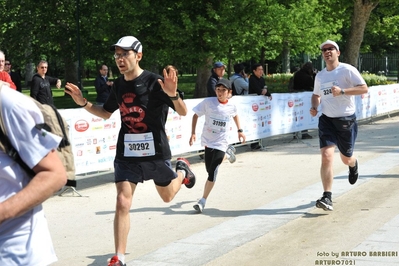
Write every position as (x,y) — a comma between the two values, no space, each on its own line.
(260,212)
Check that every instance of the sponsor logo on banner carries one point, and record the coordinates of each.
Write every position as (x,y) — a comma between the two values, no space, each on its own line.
(81,125)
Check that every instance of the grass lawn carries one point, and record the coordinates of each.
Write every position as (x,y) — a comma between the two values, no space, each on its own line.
(64,101)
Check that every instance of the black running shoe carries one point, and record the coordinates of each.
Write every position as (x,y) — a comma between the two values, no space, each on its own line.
(353,174)
(325,204)
(189,179)
(306,136)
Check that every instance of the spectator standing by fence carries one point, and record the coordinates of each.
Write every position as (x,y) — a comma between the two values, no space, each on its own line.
(40,87)
(257,85)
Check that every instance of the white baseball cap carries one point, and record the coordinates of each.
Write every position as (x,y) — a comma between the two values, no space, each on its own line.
(128,43)
(330,42)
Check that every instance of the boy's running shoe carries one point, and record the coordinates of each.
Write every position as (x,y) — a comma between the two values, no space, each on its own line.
(231,154)
(199,206)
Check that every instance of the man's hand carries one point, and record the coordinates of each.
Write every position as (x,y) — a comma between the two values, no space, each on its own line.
(336,91)
(313,111)
(75,93)
(241,137)
(169,85)
(193,138)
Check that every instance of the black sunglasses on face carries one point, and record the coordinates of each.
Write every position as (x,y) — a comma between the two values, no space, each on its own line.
(328,49)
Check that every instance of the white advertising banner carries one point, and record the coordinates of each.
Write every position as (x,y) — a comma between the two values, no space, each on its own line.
(94,139)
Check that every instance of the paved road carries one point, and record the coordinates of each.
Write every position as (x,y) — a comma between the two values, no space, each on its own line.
(261,211)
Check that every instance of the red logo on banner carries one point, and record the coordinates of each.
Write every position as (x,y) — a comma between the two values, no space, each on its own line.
(255,107)
(81,125)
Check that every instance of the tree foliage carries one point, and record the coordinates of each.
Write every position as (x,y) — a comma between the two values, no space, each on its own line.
(192,34)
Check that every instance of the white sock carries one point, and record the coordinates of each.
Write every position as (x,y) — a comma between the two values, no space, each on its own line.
(203,201)
(121,257)
(183,172)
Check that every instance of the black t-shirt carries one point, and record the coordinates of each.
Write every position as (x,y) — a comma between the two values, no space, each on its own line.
(143,107)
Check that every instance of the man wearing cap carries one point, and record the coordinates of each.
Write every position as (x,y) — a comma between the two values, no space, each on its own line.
(143,153)
(217,72)
(218,112)
(334,91)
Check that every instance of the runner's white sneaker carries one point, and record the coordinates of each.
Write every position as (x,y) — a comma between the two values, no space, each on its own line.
(230,154)
(199,206)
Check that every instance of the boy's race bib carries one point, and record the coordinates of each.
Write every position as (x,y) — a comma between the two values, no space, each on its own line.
(218,123)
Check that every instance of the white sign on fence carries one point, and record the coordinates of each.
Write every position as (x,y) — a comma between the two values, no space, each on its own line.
(94,139)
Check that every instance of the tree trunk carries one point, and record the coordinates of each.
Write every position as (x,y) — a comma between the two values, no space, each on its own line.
(29,72)
(286,67)
(262,57)
(71,70)
(361,15)
(203,74)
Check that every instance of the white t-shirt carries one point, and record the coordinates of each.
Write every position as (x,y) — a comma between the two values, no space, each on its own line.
(217,122)
(343,76)
(24,240)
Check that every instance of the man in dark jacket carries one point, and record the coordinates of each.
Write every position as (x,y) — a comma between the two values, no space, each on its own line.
(102,85)
(257,82)
(40,87)
(217,71)
(257,85)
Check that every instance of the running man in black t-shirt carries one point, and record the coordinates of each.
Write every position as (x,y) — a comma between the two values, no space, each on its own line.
(143,153)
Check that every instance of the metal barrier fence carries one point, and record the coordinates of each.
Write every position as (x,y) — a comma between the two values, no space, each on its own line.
(387,65)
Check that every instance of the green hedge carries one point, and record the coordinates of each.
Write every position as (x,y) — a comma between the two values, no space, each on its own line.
(279,82)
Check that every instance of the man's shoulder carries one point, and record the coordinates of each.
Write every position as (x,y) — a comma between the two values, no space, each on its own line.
(253,77)
(9,98)
(234,77)
(150,75)
(14,74)
(3,74)
(347,66)
(212,77)
(36,76)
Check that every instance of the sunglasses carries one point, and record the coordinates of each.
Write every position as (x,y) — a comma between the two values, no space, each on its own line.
(328,49)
